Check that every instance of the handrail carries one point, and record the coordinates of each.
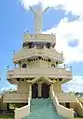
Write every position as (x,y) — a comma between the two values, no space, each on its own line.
(61,109)
(79,108)
(56,68)
(31,71)
(23,53)
(23,111)
(51,37)
(15,96)
(79,103)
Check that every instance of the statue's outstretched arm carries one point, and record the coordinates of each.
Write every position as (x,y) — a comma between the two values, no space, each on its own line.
(32,9)
(46,9)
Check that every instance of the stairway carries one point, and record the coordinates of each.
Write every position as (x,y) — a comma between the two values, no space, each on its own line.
(42,109)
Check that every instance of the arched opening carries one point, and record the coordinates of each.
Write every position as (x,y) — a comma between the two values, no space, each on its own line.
(30,45)
(45,90)
(53,65)
(48,45)
(35,90)
(60,79)
(24,66)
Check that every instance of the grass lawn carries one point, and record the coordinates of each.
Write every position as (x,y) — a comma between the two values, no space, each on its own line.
(10,116)
(6,117)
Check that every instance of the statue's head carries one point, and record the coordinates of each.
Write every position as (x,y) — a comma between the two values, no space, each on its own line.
(39,6)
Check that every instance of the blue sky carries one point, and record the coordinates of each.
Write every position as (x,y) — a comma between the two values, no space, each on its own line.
(65,21)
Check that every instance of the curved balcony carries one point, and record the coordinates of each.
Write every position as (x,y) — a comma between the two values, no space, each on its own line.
(26,53)
(38,72)
(80,99)
(15,98)
(65,97)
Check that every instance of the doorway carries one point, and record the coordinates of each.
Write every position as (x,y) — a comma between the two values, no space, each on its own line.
(68,105)
(35,90)
(45,90)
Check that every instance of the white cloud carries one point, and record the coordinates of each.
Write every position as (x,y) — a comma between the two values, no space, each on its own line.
(65,32)
(74,6)
(75,85)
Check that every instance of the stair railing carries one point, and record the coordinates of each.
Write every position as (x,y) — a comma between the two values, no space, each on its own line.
(24,111)
(79,108)
(61,110)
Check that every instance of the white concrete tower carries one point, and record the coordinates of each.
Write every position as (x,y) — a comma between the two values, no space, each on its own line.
(36,64)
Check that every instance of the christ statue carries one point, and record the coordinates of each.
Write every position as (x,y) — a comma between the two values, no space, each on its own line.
(38,14)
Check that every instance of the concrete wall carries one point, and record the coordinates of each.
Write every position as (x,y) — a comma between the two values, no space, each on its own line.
(79,108)
(57,87)
(23,87)
(72,105)
(32,72)
(33,51)
(22,112)
(15,98)
(3,106)
(80,99)
(38,63)
(39,37)
(44,63)
(1,101)
(65,97)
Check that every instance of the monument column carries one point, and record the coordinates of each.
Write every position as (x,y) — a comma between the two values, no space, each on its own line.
(51,89)
(39,89)
(30,90)
(38,18)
